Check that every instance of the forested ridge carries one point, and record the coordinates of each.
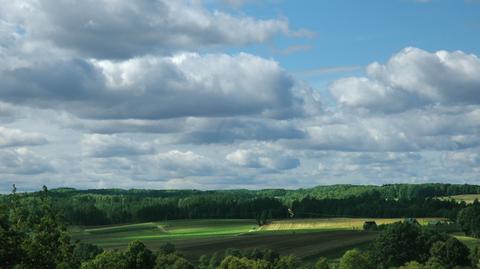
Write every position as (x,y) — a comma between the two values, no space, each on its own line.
(114,206)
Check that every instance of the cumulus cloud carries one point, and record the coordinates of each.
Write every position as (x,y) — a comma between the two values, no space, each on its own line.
(185,163)
(122,29)
(231,130)
(23,161)
(105,146)
(152,87)
(413,78)
(16,137)
(433,128)
(256,158)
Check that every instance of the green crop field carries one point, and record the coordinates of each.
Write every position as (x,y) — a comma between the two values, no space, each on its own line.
(467,198)
(305,238)
(120,235)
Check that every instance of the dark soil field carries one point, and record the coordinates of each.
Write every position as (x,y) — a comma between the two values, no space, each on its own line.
(305,245)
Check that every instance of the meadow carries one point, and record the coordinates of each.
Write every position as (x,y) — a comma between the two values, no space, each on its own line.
(467,198)
(332,223)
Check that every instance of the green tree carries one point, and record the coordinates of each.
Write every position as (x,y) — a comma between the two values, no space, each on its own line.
(167,248)
(451,253)
(400,243)
(138,256)
(107,260)
(10,240)
(84,252)
(354,259)
(233,262)
(322,263)
(469,219)
(47,244)
(475,257)
(288,262)
(171,261)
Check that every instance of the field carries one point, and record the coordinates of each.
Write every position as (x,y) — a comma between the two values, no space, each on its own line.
(467,198)
(330,223)
(305,238)
(469,241)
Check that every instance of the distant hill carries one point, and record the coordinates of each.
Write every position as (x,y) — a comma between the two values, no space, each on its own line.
(339,191)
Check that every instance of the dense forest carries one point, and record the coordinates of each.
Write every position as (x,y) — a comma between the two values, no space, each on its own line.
(114,206)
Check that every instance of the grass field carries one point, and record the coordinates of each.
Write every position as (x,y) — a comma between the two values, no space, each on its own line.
(305,238)
(468,198)
(120,235)
(330,223)
(469,241)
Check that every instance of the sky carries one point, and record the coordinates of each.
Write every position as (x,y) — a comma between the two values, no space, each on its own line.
(221,94)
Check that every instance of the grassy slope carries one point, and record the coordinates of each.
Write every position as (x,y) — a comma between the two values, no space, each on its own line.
(121,235)
(469,241)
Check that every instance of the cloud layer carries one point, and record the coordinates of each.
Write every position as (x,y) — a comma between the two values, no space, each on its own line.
(123,29)
(149,94)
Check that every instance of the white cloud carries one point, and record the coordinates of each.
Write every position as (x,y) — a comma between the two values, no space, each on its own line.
(122,29)
(105,146)
(16,137)
(23,161)
(151,87)
(256,158)
(182,164)
(413,78)
(112,83)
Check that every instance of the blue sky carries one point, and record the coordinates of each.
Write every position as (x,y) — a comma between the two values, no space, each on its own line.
(356,33)
(220,94)
(348,35)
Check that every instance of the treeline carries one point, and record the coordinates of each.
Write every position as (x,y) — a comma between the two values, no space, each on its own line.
(373,205)
(339,191)
(114,206)
(389,191)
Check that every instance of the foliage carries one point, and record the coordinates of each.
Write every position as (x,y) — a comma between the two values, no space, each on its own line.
(475,257)
(33,236)
(354,259)
(288,262)
(469,219)
(322,263)
(84,252)
(370,225)
(114,206)
(403,242)
(138,256)
(171,261)
(232,262)
(450,253)
(107,260)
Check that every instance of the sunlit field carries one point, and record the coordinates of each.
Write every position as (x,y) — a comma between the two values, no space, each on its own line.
(332,223)
(467,198)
